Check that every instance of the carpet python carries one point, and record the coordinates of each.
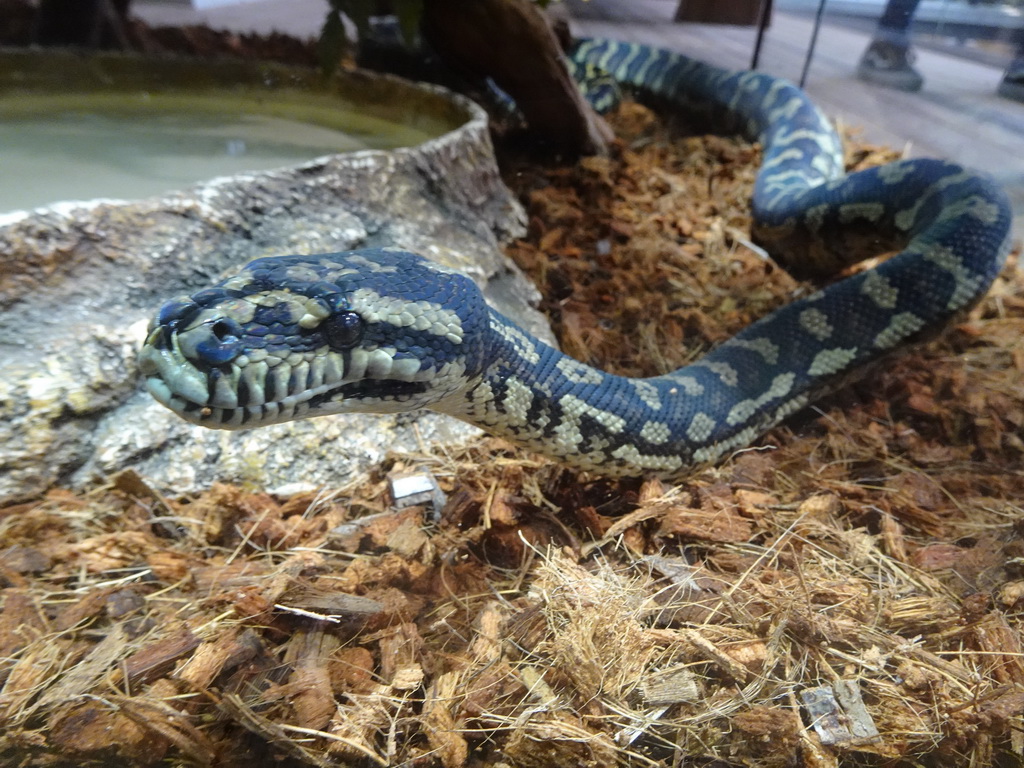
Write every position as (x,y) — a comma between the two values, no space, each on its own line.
(384,330)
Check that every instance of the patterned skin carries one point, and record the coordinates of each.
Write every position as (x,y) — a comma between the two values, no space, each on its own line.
(384,330)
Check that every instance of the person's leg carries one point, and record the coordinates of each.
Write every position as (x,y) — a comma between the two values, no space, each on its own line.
(897,18)
(888,59)
(1012,84)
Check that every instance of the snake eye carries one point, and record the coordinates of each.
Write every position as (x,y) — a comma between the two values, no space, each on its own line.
(343,330)
(222,345)
(227,331)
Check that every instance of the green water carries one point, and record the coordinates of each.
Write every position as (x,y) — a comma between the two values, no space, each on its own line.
(129,146)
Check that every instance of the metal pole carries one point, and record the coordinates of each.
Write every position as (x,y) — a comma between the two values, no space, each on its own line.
(762,25)
(814,42)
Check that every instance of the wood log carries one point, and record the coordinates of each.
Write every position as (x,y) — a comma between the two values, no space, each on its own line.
(512,42)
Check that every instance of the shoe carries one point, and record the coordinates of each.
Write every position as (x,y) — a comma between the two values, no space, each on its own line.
(1012,84)
(889,64)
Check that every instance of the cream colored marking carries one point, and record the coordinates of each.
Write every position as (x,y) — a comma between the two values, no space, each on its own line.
(371,265)
(308,312)
(788,137)
(772,94)
(334,367)
(792,188)
(315,313)
(976,206)
(786,111)
(726,373)
(894,173)
(378,364)
(358,358)
(236,417)
(659,79)
(784,179)
(242,310)
(782,157)
(272,298)
(255,375)
(861,211)
(405,368)
(701,426)
(966,285)
(655,432)
(744,437)
(830,361)
(225,395)
(521,343)
(438,267)
(402,313)
(335,275)
(641,74)
(317,372)
(648,393)
(815,216)
(689,384)
(568,434)
(450,376)
(879,290)
(301,273)
(900,327)
(631,454)
(748,81)
(904,220)
(300,372)
(604,58)
(767,349)
(483,394)
(238,282)
(830,163)
(708,454)
(743,410)
(577,372)
(203,316)
(281,374)
(517,401)
(816,323)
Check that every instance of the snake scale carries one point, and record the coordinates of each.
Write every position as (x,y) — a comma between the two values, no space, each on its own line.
(384,330)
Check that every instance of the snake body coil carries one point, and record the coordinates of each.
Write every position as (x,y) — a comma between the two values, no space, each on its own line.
(384,330)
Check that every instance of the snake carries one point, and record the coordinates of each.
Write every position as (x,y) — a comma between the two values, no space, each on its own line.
(385,330)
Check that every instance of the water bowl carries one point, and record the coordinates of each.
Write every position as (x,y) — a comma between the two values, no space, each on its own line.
(80,127)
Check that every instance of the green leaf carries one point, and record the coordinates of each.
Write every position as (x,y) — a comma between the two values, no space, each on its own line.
(332,42)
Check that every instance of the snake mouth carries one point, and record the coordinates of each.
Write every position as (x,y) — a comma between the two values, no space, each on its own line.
(383,389)
(325,399)
(233,397)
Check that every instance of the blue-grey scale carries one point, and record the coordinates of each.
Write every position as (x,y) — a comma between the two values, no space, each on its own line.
(385,330)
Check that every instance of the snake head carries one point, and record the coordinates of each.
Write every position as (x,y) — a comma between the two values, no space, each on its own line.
(290,337)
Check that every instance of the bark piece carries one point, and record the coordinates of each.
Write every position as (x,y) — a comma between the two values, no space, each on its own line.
(511,42)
